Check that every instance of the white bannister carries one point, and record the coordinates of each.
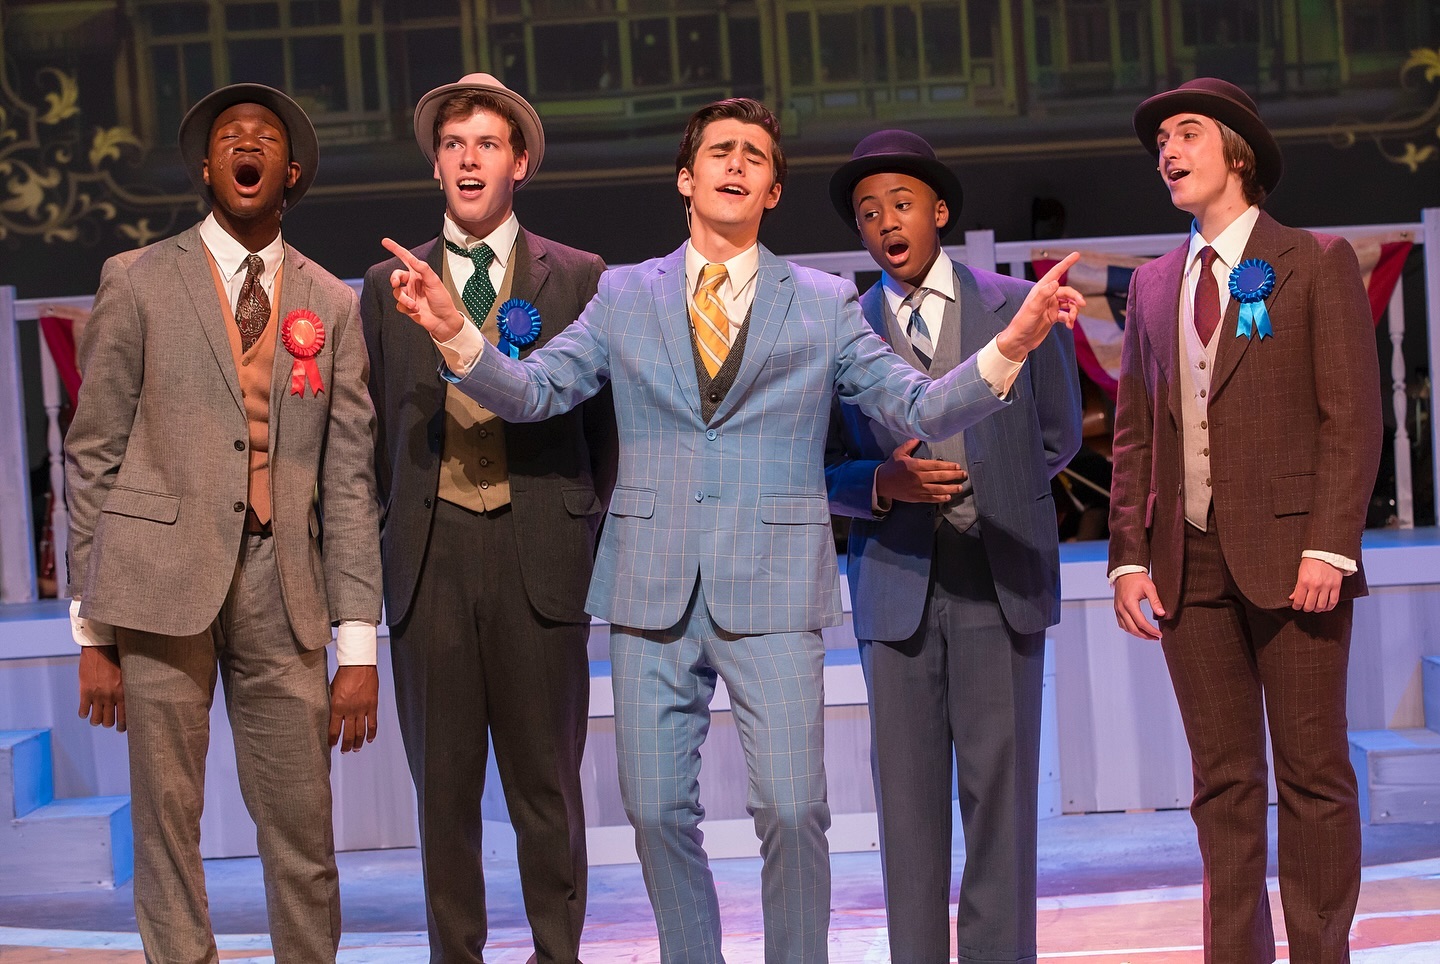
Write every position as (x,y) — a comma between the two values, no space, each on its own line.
(17,556)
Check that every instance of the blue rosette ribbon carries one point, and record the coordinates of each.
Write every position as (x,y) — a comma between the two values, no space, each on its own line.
(1251,282)
(519,324)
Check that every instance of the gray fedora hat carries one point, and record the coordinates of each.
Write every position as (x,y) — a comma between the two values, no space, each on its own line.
(195,132)
(520,110)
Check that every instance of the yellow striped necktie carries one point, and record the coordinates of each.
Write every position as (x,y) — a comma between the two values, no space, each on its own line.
(708,318)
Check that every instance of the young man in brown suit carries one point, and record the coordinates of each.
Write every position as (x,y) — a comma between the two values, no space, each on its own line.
(1247,441)
(222,417)
(489,536)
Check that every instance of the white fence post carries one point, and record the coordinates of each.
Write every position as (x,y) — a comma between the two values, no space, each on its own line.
(17,532)
(1400,404)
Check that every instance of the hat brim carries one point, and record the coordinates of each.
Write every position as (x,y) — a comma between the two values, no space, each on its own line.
(1151,113)
(525,118)
(940,178)
(195,133)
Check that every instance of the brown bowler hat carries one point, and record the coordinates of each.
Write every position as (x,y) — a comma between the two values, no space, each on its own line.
(195,133)
(525,117)
(1226,103)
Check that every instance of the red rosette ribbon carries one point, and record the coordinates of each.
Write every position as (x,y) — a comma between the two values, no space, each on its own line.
(303,335)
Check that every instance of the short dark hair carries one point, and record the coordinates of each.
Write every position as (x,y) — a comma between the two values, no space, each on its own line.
(744,109)
(463,103)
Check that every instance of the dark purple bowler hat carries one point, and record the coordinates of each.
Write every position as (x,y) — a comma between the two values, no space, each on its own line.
(1226,103)
(894,152)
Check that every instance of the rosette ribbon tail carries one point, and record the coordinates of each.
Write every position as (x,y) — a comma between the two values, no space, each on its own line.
(1254,319)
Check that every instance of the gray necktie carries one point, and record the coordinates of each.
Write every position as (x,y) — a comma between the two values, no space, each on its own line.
(915,327)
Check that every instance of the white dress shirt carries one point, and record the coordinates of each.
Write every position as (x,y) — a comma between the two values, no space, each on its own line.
(461,351)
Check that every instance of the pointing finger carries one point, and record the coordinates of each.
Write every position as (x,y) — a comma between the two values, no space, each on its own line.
(1058,271)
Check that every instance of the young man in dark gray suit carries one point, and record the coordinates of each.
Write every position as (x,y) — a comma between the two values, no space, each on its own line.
(954,568)
(489,535)
(222,416)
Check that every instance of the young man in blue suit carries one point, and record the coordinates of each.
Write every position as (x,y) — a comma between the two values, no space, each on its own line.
(716,560)
(954,570)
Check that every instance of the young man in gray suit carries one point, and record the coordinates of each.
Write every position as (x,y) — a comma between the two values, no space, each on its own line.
(717,559)
(223,416)
(954,569)
(489,536)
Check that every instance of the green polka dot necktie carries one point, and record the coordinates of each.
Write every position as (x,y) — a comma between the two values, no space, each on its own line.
(479,293)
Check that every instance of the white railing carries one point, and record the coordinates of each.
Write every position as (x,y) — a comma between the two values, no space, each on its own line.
(17,552)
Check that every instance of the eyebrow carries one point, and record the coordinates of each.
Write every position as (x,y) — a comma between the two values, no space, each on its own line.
(725,147)
(1193,121)
(897,189)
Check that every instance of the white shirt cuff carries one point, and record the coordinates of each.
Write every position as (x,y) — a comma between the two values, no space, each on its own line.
(1344,563)
(89,632)
(355,643)
(998,371)
(462,351)
(1119,571)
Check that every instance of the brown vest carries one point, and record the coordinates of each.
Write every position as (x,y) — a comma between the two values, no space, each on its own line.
(474,472)
(255,368)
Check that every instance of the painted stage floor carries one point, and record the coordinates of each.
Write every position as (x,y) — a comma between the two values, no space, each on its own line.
(1115,888)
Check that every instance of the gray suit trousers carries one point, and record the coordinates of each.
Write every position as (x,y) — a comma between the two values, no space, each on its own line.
(278,700)
(961,696)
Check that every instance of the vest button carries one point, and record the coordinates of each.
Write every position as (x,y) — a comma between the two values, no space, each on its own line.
(239,445)
(484,484)
(239,507)
(714,396)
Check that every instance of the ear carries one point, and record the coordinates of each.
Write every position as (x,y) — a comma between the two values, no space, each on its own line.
(205,170)
(522,164)
(772,197)
(685,183)
(292,174)
(942,213)
(437,171)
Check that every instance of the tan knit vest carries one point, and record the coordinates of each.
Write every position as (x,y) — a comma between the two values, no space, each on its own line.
(255,368)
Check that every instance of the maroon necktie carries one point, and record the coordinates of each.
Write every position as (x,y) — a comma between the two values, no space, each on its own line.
(252,308)
(1207,298)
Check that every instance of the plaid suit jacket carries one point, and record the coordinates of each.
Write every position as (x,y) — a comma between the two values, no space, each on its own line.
(1295,428)
(738,501)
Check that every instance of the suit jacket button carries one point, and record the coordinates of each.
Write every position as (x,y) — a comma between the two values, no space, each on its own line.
(428,502)
(699,496)
(239,507)
(239,445)
(712,435)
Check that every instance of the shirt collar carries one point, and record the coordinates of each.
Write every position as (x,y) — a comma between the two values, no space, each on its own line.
(939,279)
(230,254)
(501,240)
(740,269)
(1229,244)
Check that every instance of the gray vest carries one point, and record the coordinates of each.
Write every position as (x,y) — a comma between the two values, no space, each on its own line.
(714,390)
(960,510)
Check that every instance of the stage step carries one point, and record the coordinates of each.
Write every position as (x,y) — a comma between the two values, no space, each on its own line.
(51,846)
(1399,775)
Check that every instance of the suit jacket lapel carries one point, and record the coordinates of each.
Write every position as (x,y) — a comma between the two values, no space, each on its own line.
(294,293)
(194,267)
(773,293)
(1162,321)
(531,269)
(1268,242)
(980,304)
(872,306)
(667,289)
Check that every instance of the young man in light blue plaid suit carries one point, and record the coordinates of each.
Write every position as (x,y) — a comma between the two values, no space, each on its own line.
(716,560)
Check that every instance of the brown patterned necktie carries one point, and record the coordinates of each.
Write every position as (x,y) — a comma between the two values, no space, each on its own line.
(1207,298)
(252,310)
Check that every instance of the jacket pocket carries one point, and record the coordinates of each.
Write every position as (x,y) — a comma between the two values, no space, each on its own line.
(1292,494)
(794,510)
(631,501)
(585,501)
(139,504)
(314,523)
(1150,509)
